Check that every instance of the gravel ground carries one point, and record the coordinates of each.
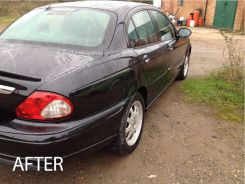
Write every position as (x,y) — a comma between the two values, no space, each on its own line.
(181,143)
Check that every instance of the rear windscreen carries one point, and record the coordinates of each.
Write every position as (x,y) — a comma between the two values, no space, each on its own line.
(72,26)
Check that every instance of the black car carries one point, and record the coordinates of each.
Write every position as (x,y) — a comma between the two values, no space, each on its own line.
(79,76)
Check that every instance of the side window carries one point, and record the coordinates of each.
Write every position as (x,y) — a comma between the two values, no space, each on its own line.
(133,37)
(144,29)
(165,27)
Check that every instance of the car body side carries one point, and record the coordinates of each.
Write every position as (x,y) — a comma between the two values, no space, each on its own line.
(100,93)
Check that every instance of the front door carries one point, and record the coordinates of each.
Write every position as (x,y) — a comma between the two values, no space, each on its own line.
(225,12)
(173,56)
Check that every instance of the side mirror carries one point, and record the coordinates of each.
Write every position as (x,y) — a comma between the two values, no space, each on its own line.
(184,32)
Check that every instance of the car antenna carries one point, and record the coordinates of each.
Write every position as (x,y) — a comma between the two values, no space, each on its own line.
(48,8)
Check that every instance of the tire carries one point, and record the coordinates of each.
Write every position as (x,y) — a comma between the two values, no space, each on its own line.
(185,67)
(131,125)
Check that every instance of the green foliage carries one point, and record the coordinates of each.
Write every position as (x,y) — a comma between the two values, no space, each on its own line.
(225,88)
(6,20)
(226,96)
(11,10)
(18,8)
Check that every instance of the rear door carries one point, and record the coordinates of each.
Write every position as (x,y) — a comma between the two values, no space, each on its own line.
(143,37)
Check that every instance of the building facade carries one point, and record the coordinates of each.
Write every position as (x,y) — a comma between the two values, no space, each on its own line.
(227,14)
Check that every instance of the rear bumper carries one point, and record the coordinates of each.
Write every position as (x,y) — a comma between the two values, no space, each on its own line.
(17,138)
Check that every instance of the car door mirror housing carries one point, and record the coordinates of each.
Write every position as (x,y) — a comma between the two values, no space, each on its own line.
(184,32)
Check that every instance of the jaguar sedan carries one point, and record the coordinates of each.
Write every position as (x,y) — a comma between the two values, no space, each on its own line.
(77,76)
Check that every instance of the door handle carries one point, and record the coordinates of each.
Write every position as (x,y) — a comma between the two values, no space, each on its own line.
(170,47)
(146,58)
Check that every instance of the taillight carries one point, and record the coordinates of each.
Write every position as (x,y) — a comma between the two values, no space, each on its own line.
(45,106)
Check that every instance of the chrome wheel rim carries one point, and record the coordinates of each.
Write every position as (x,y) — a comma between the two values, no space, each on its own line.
(186,65)
(134,123)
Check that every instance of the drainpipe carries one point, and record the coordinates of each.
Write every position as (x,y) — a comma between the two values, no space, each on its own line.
(204,18)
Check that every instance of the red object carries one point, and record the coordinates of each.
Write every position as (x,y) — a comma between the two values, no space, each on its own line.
(196,17)
(200,22)
(188,20)
(33,106)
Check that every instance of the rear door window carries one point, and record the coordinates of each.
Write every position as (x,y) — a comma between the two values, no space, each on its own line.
(144,30)
(133,37)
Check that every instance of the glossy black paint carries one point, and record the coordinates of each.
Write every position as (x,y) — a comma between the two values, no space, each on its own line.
(99,83)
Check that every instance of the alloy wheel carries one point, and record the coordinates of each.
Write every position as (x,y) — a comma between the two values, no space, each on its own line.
(134,123)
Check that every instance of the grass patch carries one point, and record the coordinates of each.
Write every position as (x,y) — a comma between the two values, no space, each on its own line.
(214,90)
(10,10)
(224,89)
(6,20)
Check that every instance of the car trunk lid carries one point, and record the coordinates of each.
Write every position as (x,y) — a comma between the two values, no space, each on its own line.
(25,67)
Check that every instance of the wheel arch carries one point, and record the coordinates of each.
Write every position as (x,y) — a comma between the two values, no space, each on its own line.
(143,91)
(189,49)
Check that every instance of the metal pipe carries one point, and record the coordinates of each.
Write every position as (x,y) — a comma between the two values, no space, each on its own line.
(204,17)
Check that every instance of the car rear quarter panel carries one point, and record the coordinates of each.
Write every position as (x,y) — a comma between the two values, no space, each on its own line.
(113,79)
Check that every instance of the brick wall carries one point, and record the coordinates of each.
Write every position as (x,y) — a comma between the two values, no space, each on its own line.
(172,7)
(189,7)
(239,18)
(210,12)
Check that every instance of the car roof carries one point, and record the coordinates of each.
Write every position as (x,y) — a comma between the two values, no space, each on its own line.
(115,6)
(121,8)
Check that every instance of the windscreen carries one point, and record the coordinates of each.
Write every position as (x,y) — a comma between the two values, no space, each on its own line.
(71,26)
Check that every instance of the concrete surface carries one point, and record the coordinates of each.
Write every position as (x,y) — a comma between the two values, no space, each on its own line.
(181,143)
(207,53)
